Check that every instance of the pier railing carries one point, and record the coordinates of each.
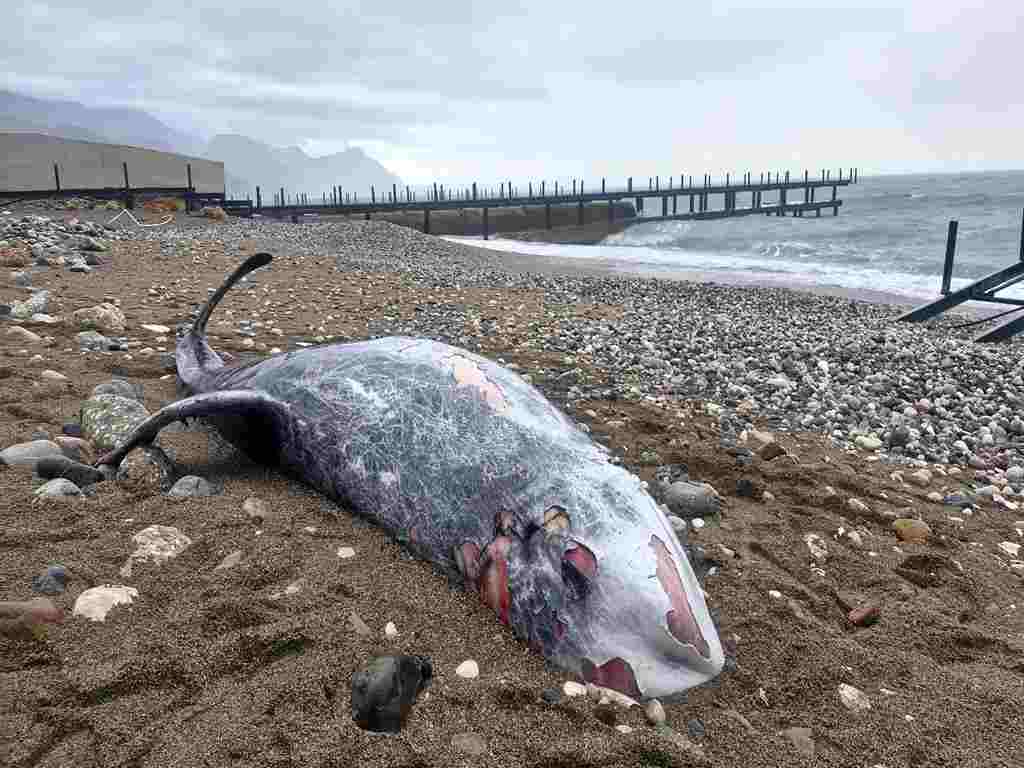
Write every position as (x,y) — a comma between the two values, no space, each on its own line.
(696,197)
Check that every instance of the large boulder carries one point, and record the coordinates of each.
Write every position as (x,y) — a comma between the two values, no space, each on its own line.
(108,419)
(28,454)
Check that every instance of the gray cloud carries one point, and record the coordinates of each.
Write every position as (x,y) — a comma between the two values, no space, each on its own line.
(464,88)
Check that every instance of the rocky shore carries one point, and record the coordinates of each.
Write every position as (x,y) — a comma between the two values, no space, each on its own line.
(850,489)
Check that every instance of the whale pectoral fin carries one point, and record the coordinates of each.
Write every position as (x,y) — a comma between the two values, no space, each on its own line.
(245,403)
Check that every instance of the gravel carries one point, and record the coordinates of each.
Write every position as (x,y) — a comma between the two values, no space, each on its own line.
(791,359)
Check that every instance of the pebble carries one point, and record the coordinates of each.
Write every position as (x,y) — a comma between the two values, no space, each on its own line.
(145,471)
(921,477)
(18,335)
(28,454)
(688,500)
(1010,548)
(695,728)
(358,625)
(864,615)
(573,689)
(912,530)
(191,486)
(52,581)
(95,603)
(385,690)
(230,561)
(551,695)
(853,699)
(868,442)
(58,488)
(346,552)
(257,509)
(390,630)
(468,670)
(654,712)
(155,544)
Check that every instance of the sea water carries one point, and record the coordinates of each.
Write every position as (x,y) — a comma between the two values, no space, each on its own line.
(889,236)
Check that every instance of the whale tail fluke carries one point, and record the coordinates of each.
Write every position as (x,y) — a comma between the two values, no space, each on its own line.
(193,355)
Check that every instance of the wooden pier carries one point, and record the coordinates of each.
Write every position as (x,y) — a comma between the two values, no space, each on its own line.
(680,199)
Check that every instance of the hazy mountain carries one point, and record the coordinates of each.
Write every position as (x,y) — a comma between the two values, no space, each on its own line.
(113,125)
(271,168)
(247,163)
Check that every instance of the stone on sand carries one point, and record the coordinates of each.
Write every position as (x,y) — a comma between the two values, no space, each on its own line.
(107,420)
(97,602)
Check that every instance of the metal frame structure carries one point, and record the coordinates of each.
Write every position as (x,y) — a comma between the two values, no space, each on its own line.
(984,290)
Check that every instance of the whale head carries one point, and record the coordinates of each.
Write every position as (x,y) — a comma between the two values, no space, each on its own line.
(596,580)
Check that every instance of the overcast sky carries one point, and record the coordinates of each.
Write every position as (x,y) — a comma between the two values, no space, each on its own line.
(464,89)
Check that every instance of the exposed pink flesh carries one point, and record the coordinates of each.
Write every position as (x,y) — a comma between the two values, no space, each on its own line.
(681,622)
(583,560)
(615,674)
(494,578)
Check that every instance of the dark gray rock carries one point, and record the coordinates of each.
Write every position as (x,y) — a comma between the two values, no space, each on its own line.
(51,467)
(71,429)
(52,581)
(384,691)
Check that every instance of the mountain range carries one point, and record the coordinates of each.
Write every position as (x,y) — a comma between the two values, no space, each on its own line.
(247,162)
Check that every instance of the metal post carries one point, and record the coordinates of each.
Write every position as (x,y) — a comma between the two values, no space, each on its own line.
(629,184)
(486,209)
(947,266)
(542,193)
(259,201)
(128,201)
(602,185)
(1022,237)
(56,176)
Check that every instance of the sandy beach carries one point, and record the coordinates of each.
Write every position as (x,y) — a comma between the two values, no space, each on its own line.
(850,641)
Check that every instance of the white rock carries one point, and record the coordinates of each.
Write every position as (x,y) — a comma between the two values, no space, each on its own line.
(58,488)
(624,728)
(156,328)
(1010,548)
(868,442)
(774,594)
(346,552)
(468,669)
(390,630)
(53,375)
(96,603)
(156,544)
(573,689)
(607,695)
(853,699)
